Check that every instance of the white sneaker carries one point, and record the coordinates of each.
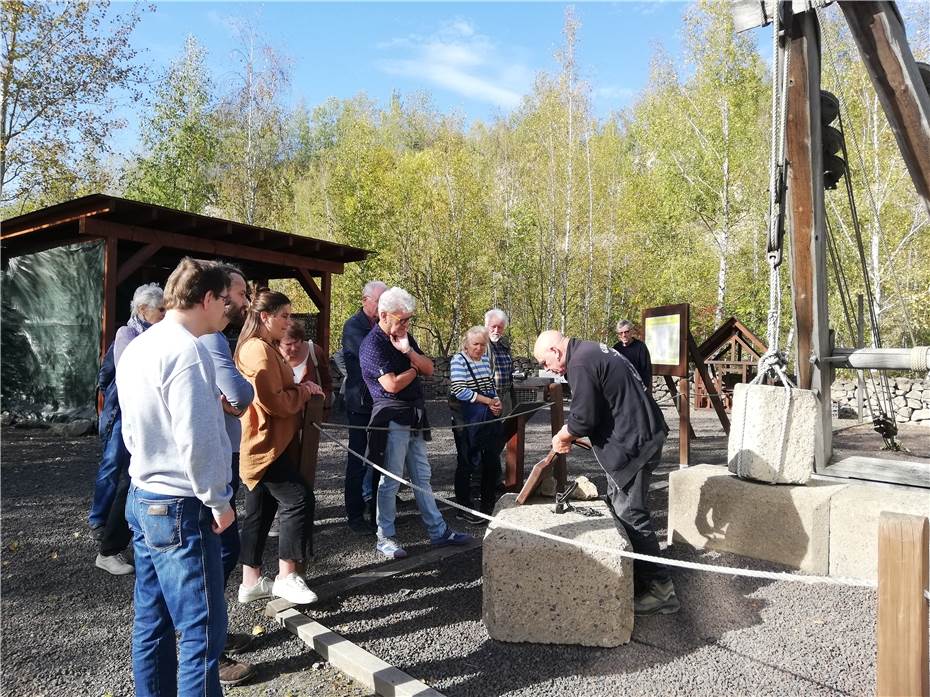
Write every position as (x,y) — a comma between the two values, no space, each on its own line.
(259,591)
(293,589)
(116,564)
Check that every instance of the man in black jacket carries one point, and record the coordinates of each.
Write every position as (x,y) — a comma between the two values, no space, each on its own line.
(635,351)
(612,408)
(358,408)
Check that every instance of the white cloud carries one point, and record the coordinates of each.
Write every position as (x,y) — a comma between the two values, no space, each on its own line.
(613,93)
(456,57)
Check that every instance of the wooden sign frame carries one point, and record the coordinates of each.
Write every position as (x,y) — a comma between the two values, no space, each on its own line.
(676,318)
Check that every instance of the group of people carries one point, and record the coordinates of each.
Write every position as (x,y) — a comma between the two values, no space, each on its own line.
(188,420)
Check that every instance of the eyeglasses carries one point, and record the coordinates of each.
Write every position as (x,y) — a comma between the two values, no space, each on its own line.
(225,298)
(400,320)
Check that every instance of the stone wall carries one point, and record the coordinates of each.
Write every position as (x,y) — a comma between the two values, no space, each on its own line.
(911,399)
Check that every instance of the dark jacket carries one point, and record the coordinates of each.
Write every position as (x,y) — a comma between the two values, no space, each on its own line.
(354,331)
(106,378)
(637,353)
(612,408)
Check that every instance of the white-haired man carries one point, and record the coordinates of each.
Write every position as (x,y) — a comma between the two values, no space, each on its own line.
(358,481)
(610,405)
(392,363)
(495,320)
(635,351)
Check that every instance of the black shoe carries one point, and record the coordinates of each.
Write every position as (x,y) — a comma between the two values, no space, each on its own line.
(471,518)
(359,526)
(237,643)
(235,672)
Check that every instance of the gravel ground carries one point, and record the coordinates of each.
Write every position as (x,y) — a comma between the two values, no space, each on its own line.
(66,625)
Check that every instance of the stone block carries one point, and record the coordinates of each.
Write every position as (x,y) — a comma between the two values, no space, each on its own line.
(546,592)
(854,517)
(585,491)
(709,508)
(755,448)
(921,415)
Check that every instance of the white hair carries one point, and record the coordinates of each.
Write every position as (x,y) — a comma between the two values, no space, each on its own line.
(471,334)
(396,300)
(373,286)
(149,295)
(624,323)
(495,313)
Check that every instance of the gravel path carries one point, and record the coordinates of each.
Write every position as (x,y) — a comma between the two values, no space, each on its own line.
(66,625)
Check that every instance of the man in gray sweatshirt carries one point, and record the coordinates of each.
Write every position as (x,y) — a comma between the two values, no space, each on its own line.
(179,498)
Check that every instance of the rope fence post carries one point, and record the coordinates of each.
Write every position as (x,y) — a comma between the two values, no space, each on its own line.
(901,629)
(560,469)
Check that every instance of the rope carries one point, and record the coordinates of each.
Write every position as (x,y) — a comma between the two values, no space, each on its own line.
(349,427)
(919,358)
(695,566)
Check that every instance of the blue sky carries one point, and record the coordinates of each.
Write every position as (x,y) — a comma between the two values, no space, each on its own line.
(475,59)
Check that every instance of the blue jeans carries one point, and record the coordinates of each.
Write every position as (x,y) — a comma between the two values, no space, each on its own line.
(113,463)
(179,587)
(407,447)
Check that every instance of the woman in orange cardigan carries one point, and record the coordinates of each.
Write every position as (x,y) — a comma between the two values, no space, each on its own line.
(268,462)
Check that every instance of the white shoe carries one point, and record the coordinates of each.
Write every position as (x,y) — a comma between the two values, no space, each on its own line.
(293,589)
(259,591)
(117,564)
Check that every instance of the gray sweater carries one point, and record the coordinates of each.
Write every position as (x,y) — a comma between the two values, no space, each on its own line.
(172,419)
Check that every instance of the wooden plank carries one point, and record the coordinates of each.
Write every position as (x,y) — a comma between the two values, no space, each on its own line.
(4,236)
(709,385)
(673,390)
(879,34)
(514,458)
(901,628)
(557,418)
(132,264)
(231,251)
(875,469)
(684,428)
(110,282)
(310,286)
(806,221)
(324,318)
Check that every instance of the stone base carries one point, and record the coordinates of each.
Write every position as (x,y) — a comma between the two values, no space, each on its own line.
(854,517)
(709,508)
(546,592)
(754,450)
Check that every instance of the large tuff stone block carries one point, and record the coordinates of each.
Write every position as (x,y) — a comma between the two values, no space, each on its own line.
(756,449)
(854,518)
(709,508)
(546,592)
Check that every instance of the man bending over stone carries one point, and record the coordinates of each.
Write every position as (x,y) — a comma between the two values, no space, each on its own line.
(612,408)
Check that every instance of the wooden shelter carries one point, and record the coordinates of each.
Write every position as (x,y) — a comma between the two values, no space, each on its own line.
(731,355)
(142,243)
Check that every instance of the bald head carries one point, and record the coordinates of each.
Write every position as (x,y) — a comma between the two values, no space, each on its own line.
(549,351)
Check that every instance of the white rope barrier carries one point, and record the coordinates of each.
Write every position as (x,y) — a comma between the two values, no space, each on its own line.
(695,566)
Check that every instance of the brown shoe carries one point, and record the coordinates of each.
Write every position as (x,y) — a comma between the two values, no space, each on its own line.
(234,673)
(237,643)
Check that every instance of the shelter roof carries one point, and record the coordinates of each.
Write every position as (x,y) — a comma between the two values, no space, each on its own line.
(163,234)
(727,331)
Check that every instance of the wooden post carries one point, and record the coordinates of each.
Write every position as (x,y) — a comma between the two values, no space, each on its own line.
(803,139)
(684,426)
(110,282)
(514,459)
(682,419)
(326,286)
(901,634)
(879,34)
(558,420)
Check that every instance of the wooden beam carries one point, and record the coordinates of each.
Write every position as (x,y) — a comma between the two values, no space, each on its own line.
(110,282)
(879,34)
(806,221)
(51,223)
(557,420)
(212,248)
(698,360)
(323,321)
(901,629)
(132,264)
(310,286)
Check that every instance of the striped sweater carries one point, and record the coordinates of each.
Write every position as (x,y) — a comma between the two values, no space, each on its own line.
(465,387)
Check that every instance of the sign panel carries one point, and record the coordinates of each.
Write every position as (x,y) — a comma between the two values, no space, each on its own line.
(665,333)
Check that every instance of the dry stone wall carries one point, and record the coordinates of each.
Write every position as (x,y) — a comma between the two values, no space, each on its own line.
(911,399)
